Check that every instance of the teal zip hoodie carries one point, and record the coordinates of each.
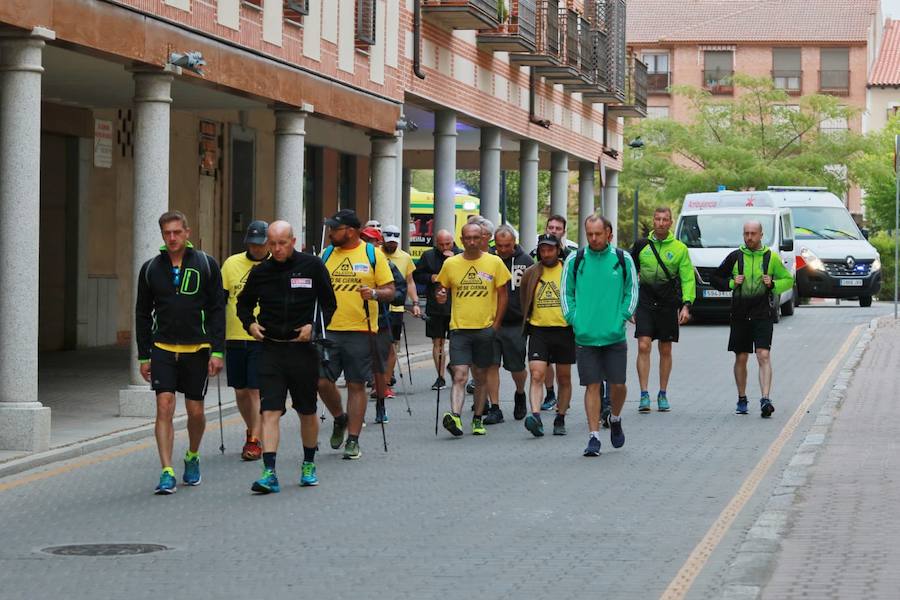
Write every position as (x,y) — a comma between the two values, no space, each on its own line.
(598,302)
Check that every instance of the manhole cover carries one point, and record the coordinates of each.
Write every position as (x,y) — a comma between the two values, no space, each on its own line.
(104,549)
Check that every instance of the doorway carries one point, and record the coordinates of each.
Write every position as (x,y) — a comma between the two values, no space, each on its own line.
(242,186)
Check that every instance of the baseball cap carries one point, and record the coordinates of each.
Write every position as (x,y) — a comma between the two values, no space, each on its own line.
(345,217)
(391,232)
(373,223)
(371,233)
(256,233)
(548,239)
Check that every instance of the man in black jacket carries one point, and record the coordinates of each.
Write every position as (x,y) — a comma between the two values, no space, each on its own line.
(437,324)
(180,330)
(287,287)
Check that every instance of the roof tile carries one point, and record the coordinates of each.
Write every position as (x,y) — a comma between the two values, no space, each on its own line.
(886,70)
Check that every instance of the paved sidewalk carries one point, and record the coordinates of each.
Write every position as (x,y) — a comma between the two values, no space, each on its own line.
(844,541)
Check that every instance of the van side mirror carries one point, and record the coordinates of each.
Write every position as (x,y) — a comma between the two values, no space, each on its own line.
(865,233)
(787,246)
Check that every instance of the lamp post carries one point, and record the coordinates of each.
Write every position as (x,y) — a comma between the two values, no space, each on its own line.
(636,144)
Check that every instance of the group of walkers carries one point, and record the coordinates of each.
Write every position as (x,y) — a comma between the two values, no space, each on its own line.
(291,322)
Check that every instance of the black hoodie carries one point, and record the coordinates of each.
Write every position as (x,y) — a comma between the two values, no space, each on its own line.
(429,264)
(517,263)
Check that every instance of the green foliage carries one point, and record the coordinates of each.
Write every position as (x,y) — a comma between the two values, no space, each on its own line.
(874,170)
(884,243)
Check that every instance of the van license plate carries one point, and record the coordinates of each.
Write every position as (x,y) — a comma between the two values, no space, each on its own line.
(717,294)
(851,282)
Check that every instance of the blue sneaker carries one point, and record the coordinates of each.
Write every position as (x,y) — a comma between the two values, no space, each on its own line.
(191,472)
(308,475)
(616,435)
(662,403)
(741,408)
(550,401)
(166,485)
(267,484)
(381,415)
(593,447)
(534,425)
(766,408)
(644,405)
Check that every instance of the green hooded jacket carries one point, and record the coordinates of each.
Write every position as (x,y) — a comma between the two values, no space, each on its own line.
(752,299)
(655,287)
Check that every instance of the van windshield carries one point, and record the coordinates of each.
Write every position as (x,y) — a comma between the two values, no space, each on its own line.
(720,231)
(811,223)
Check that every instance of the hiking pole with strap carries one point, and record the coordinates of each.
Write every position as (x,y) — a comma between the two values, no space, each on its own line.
(221,430)
(399,369)
(379,375)
(406,343)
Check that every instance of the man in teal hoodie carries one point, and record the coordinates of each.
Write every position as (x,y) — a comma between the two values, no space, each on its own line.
(756,277)
(601,293)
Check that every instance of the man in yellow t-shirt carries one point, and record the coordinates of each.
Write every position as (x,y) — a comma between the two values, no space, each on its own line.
(242,352)
(551,340)
(404,263)
(359,280)
(477,281)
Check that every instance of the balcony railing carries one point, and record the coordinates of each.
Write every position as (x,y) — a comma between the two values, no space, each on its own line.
(789,81)
(463,14)
(567,67)
(658,83)
(547,42)
(518,35)
(718,81)
(608,52)
(635,104)
(835,82)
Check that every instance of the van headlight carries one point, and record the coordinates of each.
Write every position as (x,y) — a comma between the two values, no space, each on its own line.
(876,264)
(813,261)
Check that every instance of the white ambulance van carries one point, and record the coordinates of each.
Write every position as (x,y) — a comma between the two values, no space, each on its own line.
(834,259)
(711,225)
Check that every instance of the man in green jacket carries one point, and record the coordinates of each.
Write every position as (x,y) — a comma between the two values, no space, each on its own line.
(601,294)
(667,289)
(756,277)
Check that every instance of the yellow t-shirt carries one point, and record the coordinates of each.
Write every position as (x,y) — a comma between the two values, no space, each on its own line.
(404,264)
(348,270)
(547,305)
(473,285)
(235,270)
(182,348)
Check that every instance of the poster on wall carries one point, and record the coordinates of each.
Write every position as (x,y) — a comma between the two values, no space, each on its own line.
(103,143)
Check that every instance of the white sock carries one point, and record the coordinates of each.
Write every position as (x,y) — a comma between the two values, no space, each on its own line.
(595,434)
(614,418)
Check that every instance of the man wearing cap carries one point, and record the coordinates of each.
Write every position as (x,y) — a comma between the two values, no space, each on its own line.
(404,263)
(359,280)
(241,350)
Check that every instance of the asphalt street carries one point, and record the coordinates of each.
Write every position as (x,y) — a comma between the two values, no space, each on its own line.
(503,516)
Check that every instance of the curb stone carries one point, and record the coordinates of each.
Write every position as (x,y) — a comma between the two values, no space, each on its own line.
(749,572)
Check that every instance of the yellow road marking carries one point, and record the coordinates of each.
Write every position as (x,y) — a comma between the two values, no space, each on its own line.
(684,579)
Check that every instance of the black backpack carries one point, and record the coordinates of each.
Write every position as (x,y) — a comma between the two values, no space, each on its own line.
(767,259)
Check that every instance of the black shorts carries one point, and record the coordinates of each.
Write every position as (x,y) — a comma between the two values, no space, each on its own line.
(185,372)
(396,325)
(748,335)
(552,345)
(350,353)
(509,346)
(659,323)
(597,364)
(437,327)
(288,367)
(472,347)
(385,341)
(242,364)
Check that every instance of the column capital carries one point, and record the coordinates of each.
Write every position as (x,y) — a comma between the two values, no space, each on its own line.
(23,50)
(290,121)
(491,138)
(153,84)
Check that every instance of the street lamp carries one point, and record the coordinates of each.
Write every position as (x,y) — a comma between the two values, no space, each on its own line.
(636,144)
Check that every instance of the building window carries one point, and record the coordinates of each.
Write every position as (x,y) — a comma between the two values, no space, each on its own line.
(365,23)
(786,73)
(833,126)
(718,68)
(657,112)
(294,10)
(785,114)
(892,112)
(657,72)
(834,73)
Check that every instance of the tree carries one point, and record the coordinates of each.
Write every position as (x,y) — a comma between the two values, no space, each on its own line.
(874,170)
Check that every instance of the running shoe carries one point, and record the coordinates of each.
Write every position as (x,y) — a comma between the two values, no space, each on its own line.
(351,450)
(389,393)
(439,384)
(549,400)
(453,424)
(616,435)
(494,415)
(337,432)
(381,415)
(470,387)
(191,472)
(519,409)
(267,484)
(604,417)
(741,408)
(662,402)
(559,425)
(478,426)
(393,381)
(644,404)
(766,408)
(534,425)
(166,485)
(252,449)
(308,475)
(593,447)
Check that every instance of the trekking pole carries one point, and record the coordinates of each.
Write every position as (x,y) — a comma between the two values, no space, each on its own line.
(406,343)
(221,430)
(437,404)
(399,369)
(377,372)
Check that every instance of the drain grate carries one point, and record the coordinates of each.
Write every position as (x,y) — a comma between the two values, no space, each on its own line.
(104,549)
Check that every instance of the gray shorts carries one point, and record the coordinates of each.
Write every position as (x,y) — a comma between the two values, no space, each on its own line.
(602,363)
(350,353)
(472,347)
(509,344)
(385,341)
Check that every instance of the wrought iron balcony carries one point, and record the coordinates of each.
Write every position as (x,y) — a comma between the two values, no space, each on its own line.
(517,35)
(718,81)
(462,14)
(608,50)
(658,83)
(835,82)
(635,103)
(547,51)
(568,69)
(789,81)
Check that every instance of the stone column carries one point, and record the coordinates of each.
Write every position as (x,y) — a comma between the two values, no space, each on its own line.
(585,198)
(559,184)
(528,194)
(611,200)
(152,113)
(398,188)
(445,171)
(490,174)
(24,421)
(405,185)
(384,179)
(290,140)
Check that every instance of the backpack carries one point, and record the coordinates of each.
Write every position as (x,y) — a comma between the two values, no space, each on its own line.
(398,300)
(370,252)
(767,258)
(672,283)
(579,256)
